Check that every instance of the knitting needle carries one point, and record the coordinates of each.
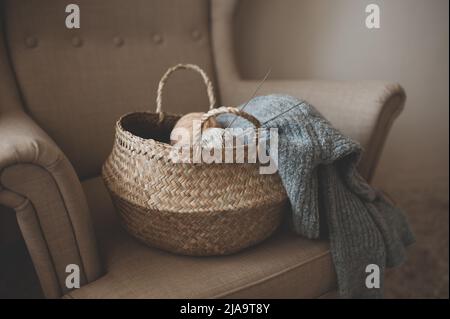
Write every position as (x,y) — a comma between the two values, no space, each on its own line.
(284,112)
(277,116)
(253,95)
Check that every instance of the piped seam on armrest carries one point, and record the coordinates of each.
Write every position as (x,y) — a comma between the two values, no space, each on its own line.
(22,210)
(48,169)
(384,122)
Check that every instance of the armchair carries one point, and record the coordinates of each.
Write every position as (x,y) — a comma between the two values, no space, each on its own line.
(62,90)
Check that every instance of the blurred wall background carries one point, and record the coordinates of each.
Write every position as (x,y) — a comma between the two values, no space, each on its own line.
(324,39)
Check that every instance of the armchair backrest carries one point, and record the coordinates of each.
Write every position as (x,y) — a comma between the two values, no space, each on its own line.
(75,83)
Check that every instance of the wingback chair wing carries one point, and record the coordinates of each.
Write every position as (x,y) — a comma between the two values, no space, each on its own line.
(61,91)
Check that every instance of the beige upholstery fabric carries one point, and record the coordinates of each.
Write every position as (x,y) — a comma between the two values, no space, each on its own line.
(76,83)
(284,266)
(9,94)
(52,210)
(30,228)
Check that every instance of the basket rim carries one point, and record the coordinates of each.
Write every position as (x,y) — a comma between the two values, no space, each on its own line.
(122,130)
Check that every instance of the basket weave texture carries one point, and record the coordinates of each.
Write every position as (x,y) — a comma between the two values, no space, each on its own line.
(187,208)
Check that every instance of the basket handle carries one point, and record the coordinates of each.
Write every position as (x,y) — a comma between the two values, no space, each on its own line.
(162,83)
(232,110)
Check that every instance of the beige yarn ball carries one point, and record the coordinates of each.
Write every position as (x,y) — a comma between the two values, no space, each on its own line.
(187,122)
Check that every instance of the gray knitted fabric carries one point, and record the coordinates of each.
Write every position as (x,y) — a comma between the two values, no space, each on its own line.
(317,165)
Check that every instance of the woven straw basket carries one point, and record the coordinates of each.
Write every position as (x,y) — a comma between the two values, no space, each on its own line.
(193,209)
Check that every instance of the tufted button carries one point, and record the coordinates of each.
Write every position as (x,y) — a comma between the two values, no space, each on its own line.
(31,42)
(196,34)
(118,41)
(157,38)
(77,42)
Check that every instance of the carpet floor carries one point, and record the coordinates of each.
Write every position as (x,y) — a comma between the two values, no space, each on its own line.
(426,272)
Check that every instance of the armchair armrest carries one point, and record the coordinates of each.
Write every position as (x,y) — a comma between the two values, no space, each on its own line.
(364,111)
(39,183)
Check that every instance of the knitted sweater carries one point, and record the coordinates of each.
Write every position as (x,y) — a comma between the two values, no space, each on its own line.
(317,165)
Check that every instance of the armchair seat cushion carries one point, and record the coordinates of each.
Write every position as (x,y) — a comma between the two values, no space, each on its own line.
(284,266)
